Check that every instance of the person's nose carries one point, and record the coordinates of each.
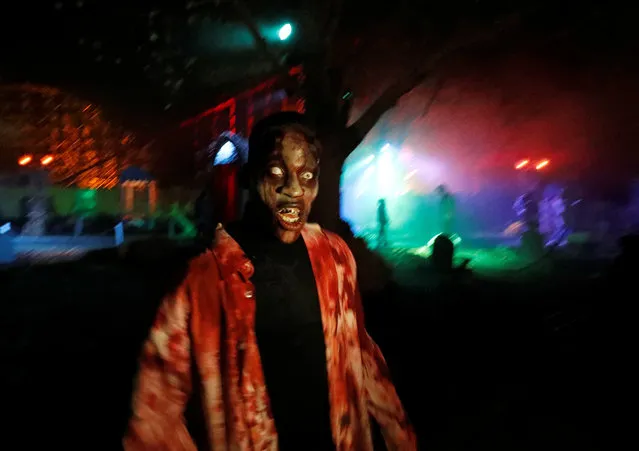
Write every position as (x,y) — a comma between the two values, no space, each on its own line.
(292,188)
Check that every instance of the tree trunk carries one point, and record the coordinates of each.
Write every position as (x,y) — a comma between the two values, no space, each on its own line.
(326,210)
(339,140)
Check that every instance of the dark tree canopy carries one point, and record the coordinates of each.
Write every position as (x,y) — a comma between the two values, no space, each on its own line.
(81,146)
(172,59)
(177,55)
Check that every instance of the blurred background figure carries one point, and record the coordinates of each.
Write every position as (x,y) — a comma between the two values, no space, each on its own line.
(446,210)
(382,223)
(551,214)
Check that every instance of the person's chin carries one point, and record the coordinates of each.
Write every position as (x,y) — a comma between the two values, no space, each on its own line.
(287,236)
(288,232)
(290,221)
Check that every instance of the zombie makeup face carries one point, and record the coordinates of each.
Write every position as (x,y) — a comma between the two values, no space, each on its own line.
(288,184)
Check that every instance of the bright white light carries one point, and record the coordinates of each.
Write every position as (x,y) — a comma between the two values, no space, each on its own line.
(386,174)
(427,250)
(363,181)
(386,147)
(361,164)
(285,32)
(542,164)
(410,175)
(225,155)
(368,172)
(456,239)
(369,159)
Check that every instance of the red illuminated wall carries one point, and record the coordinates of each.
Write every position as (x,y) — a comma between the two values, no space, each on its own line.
(237,114)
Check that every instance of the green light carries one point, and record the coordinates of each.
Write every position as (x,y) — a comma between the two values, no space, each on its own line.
(285,32)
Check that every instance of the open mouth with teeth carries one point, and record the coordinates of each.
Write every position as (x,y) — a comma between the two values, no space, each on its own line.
(289,217)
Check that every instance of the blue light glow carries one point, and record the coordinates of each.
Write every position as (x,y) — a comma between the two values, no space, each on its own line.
(226,155)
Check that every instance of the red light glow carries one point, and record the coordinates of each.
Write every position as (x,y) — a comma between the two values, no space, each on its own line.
(542,164)
(25,160)
(46,160)
(522,164)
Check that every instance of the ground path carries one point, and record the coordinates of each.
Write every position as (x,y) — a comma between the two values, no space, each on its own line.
(499,364)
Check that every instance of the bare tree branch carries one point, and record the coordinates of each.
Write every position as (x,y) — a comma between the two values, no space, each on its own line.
(389,98)
(355,133)
(334,17)
(71,179)
(458,44)
(68,181)
(439,84)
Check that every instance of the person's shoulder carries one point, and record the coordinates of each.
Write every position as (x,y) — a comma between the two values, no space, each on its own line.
(336,242)
(204,265)
(314,230)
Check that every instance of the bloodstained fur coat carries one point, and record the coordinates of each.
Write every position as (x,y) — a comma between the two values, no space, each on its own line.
(208,322)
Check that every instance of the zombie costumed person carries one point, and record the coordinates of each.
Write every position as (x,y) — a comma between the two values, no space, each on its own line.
(573,203)
(527,211)
(382,224)
(558,205)
(263,346)
(551,215)
(446,210)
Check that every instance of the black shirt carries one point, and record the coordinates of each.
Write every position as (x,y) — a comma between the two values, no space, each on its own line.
(288,326)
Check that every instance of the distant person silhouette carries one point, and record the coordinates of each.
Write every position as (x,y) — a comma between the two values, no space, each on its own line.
(446,210)
(443,252)
(382,223)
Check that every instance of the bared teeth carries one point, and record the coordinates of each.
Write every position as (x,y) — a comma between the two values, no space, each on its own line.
(289,211)
(290,215)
